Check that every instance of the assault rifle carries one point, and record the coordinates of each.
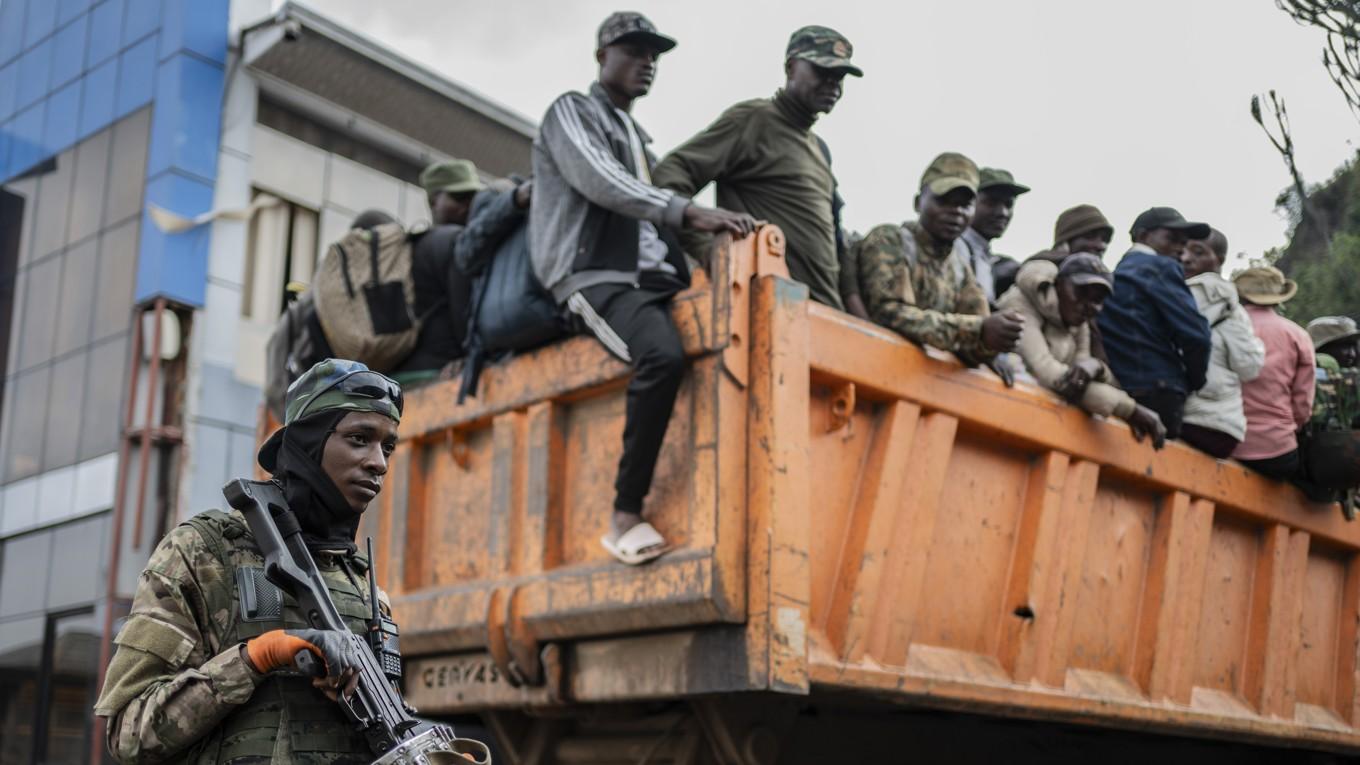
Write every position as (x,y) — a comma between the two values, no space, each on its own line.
(375,708)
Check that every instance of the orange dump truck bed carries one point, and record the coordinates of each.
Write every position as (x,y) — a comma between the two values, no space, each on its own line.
(854,519)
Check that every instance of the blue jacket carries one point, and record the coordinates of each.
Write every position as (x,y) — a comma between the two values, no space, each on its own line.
(1154,334)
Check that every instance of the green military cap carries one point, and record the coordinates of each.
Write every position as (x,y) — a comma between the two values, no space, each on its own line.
(950,171)
(824,47)
(624,26)
(1000,180)
(457,176)
(1332,329)
(334,384)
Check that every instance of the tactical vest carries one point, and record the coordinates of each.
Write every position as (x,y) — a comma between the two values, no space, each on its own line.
(285,704)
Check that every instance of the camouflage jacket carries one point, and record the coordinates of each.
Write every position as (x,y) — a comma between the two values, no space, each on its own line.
(1336,403)
(179,680)
(926,295)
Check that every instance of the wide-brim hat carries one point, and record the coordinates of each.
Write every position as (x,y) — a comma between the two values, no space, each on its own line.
(1332,329)
(1265,286)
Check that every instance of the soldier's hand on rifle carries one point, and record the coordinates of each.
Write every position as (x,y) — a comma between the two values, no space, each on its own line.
(339,669)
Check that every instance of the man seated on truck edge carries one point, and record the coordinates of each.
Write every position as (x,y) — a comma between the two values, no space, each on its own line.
(915,278)
(1058,304)
(197,674)
(767,161)
(1157,341)
(602,241)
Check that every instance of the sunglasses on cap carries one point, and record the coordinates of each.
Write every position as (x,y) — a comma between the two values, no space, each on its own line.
(364,384)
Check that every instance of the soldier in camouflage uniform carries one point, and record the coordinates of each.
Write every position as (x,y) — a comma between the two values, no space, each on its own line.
(1336,401)
(915,278)
(203,671)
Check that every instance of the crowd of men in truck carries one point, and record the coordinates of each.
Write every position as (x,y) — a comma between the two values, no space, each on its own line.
(206,667)
(607,235)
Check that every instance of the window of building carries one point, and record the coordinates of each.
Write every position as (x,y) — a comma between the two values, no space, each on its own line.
(68,255)
(48,670)
(282,250)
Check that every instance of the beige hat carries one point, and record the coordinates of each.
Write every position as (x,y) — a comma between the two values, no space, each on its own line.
(1265,286)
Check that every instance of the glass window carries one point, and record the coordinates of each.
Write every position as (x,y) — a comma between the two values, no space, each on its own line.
(23,587)
(21,644)
(78,552)
(282,249)
(87,194)
(102,417)
(62,439)
(23,453)
(74,667)
(117,279)
(77,297)
(39,313)
(127,171)
(52,207)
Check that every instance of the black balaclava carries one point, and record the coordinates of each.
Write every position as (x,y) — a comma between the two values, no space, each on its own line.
(326,519)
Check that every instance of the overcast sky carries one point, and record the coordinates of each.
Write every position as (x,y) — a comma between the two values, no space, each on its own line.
(1121,104)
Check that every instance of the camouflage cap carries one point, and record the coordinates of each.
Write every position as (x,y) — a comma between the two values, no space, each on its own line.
(824,47)
(950,171)
(999,180)
(1332,329)
(622,26)
(334,384)
(456,176)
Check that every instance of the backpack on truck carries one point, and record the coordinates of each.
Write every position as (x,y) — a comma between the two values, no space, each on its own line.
(295,344)
(365,296)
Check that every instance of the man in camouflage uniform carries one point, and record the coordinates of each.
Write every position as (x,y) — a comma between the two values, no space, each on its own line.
(1336,401)
(203,671)
(915,278)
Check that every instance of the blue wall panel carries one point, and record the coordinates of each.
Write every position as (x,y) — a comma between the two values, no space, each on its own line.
(141,18)
(26,141)
(106,24)
(70,9)
(96,106)
(188,116)
(63,117)
(11,29)
(35,71)
(197,26)
(175,265)
(136,77)
(9,89)
(40,20)
(68,52)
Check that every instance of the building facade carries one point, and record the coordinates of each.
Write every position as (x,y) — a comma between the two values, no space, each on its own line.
(133,350)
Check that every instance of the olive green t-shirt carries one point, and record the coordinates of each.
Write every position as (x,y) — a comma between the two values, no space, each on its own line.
(767,162)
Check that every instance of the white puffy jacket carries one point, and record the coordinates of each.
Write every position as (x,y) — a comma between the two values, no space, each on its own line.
(1237,356)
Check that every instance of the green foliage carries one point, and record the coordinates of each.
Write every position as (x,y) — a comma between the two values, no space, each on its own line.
(1328,287)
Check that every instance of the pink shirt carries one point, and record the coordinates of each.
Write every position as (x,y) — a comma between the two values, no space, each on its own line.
(1280,400)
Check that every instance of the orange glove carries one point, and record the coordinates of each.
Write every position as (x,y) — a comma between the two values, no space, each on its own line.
(278,648)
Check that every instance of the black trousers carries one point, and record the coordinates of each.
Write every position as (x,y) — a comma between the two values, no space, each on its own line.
(634,324)
(1214,443)
(1290,467)
(1168,404)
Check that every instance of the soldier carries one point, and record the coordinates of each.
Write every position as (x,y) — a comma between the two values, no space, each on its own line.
(203,670)
(916,281)
(1336,402)
(768,162)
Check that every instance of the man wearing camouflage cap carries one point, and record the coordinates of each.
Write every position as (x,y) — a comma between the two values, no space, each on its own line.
(915,278)
(602,240)
(767,161)
(203,671)
(992,213)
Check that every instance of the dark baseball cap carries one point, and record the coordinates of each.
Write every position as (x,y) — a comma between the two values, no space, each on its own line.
(824,47)
(626,26)
(1083,268)
(1001,180)
(1169,217)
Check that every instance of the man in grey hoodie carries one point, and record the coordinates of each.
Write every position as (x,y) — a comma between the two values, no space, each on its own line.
(602,242)
(1213,420)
